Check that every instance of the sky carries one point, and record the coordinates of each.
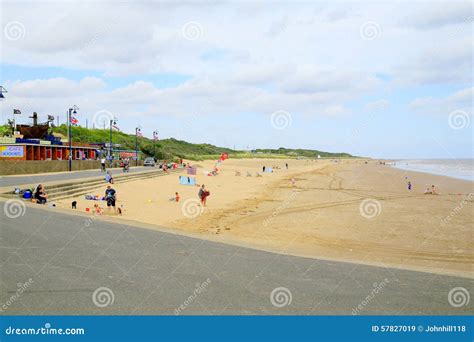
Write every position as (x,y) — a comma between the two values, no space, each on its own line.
(382,79)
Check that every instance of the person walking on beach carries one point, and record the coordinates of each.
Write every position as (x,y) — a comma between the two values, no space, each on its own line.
(203,194)
(110,197)
(286,166)
(409,185)
(263,168)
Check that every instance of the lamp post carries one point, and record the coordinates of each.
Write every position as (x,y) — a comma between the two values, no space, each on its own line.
(155,138)
(113,122)
(70,111)
(137,131)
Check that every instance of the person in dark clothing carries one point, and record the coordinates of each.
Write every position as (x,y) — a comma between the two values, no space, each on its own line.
(110,197)
(40,195)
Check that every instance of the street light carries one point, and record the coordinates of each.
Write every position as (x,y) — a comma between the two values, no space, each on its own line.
(137,132)
(113,122)
(155,138)
(70,111)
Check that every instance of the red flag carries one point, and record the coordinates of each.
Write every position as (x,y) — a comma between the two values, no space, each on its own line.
(74,121)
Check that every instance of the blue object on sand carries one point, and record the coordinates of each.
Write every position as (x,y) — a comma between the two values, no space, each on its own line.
(269,169)
(27,194)
(184,180)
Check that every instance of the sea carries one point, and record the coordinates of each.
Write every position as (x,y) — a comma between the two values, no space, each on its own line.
(455,168)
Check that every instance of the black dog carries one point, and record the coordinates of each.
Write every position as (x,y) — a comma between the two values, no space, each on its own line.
(74,204)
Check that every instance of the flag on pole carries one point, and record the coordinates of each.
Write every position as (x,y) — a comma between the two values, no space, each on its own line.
(74,121)
(16,111)
(114,126)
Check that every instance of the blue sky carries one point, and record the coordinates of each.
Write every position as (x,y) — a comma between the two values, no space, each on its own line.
(379,79)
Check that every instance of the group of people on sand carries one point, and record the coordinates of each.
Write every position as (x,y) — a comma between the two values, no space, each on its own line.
(429,190)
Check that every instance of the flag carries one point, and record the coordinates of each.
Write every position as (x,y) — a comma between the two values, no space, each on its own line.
(16,111)
(74,121)
(114,126)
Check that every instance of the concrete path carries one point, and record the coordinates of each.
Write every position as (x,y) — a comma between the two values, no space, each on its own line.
(11,181)
(71,264)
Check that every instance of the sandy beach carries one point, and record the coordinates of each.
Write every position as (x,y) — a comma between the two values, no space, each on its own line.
(345,210)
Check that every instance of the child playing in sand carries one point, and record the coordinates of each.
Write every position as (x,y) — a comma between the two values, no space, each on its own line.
(97,210)
(176,197)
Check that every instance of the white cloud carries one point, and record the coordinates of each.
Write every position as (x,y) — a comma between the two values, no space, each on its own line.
(461,100)
(377,105)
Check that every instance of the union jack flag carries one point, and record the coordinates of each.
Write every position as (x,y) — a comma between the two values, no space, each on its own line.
(74,121)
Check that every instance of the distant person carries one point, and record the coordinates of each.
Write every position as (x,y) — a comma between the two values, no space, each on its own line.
(263,168)
(409,186)
(110,197)
(102,164)
(176,197)
(286,166)
(428,191)
(433,190)
(40,195)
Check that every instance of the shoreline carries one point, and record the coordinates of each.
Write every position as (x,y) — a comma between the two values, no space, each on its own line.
(398,164)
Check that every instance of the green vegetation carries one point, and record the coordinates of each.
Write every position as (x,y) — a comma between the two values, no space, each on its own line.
(170,149)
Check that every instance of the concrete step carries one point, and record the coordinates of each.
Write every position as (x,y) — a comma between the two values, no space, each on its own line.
(75,190)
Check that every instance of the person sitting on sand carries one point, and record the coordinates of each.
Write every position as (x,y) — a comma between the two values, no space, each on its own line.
(110,197)
(108,178)
(433,190)
(40,195)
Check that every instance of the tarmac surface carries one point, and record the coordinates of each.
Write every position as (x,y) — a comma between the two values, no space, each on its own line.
(59,264)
